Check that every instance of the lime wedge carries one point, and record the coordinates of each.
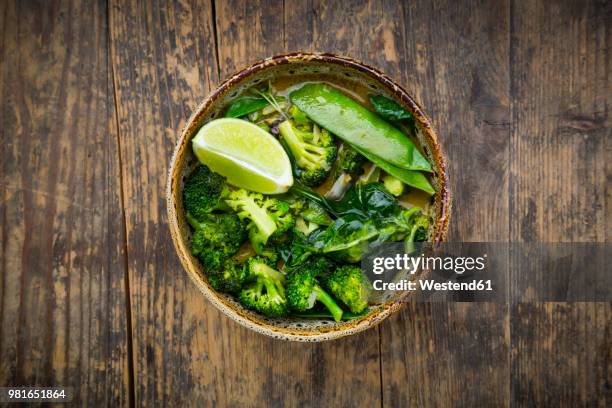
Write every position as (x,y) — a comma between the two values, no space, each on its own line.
(246,154)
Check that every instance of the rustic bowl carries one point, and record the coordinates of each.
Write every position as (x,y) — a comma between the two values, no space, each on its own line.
(183,160)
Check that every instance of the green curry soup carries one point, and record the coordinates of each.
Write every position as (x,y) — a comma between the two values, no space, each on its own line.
(360,179)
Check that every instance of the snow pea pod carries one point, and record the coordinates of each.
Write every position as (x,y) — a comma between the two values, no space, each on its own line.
(358,126)
(411,178)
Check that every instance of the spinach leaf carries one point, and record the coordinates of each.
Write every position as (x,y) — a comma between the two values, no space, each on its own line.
(362,201)
(389,109)
(245,105)
(366,201)
(346,239)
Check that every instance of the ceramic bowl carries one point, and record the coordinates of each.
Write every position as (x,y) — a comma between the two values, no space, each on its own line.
(344,69)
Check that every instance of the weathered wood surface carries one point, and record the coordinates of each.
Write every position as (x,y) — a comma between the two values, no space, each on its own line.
(162,55)
(62,295)
(93,99)
(454,59)
(560,185)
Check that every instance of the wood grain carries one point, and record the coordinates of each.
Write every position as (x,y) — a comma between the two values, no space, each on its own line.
(561,89)
(453,58)
(560,185)
(93,97)
(561,354)
(163,58)
(62,294)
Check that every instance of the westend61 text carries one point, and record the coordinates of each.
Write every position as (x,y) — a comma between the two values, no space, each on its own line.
(430,285)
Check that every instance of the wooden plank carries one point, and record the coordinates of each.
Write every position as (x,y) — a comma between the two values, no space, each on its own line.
(438,355)
(561,91)
(561,354)
(62,294)
(453,57)
(163,59)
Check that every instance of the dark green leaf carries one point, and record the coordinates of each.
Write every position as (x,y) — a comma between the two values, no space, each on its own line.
(245,105)
(367,201)
(389,109)
(363,201)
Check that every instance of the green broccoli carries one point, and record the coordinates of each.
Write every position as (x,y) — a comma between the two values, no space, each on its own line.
(350,285)
(231,278)
(204,192)
(310,211)
(346,168)
(303,291)
(314,152)
(266,293)
(349,161)
(269,217)
(216,238)
(321,266)
(420,228)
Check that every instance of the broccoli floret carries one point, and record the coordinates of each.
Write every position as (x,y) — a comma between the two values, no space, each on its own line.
(420,228)
(269,217)
(216,238)
(321,266)
(204,192)
(346,169)
(310,211)
(410,225)
(231,278)
(349,161)
(350,285)
(393,185)
(314,152)
(303,291)
(266,293)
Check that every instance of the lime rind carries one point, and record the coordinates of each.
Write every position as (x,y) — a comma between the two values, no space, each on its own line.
(248,156)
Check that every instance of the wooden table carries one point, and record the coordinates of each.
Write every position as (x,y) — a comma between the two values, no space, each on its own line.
(92,295)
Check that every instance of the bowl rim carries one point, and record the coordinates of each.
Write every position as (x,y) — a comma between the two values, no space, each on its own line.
(249,319)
